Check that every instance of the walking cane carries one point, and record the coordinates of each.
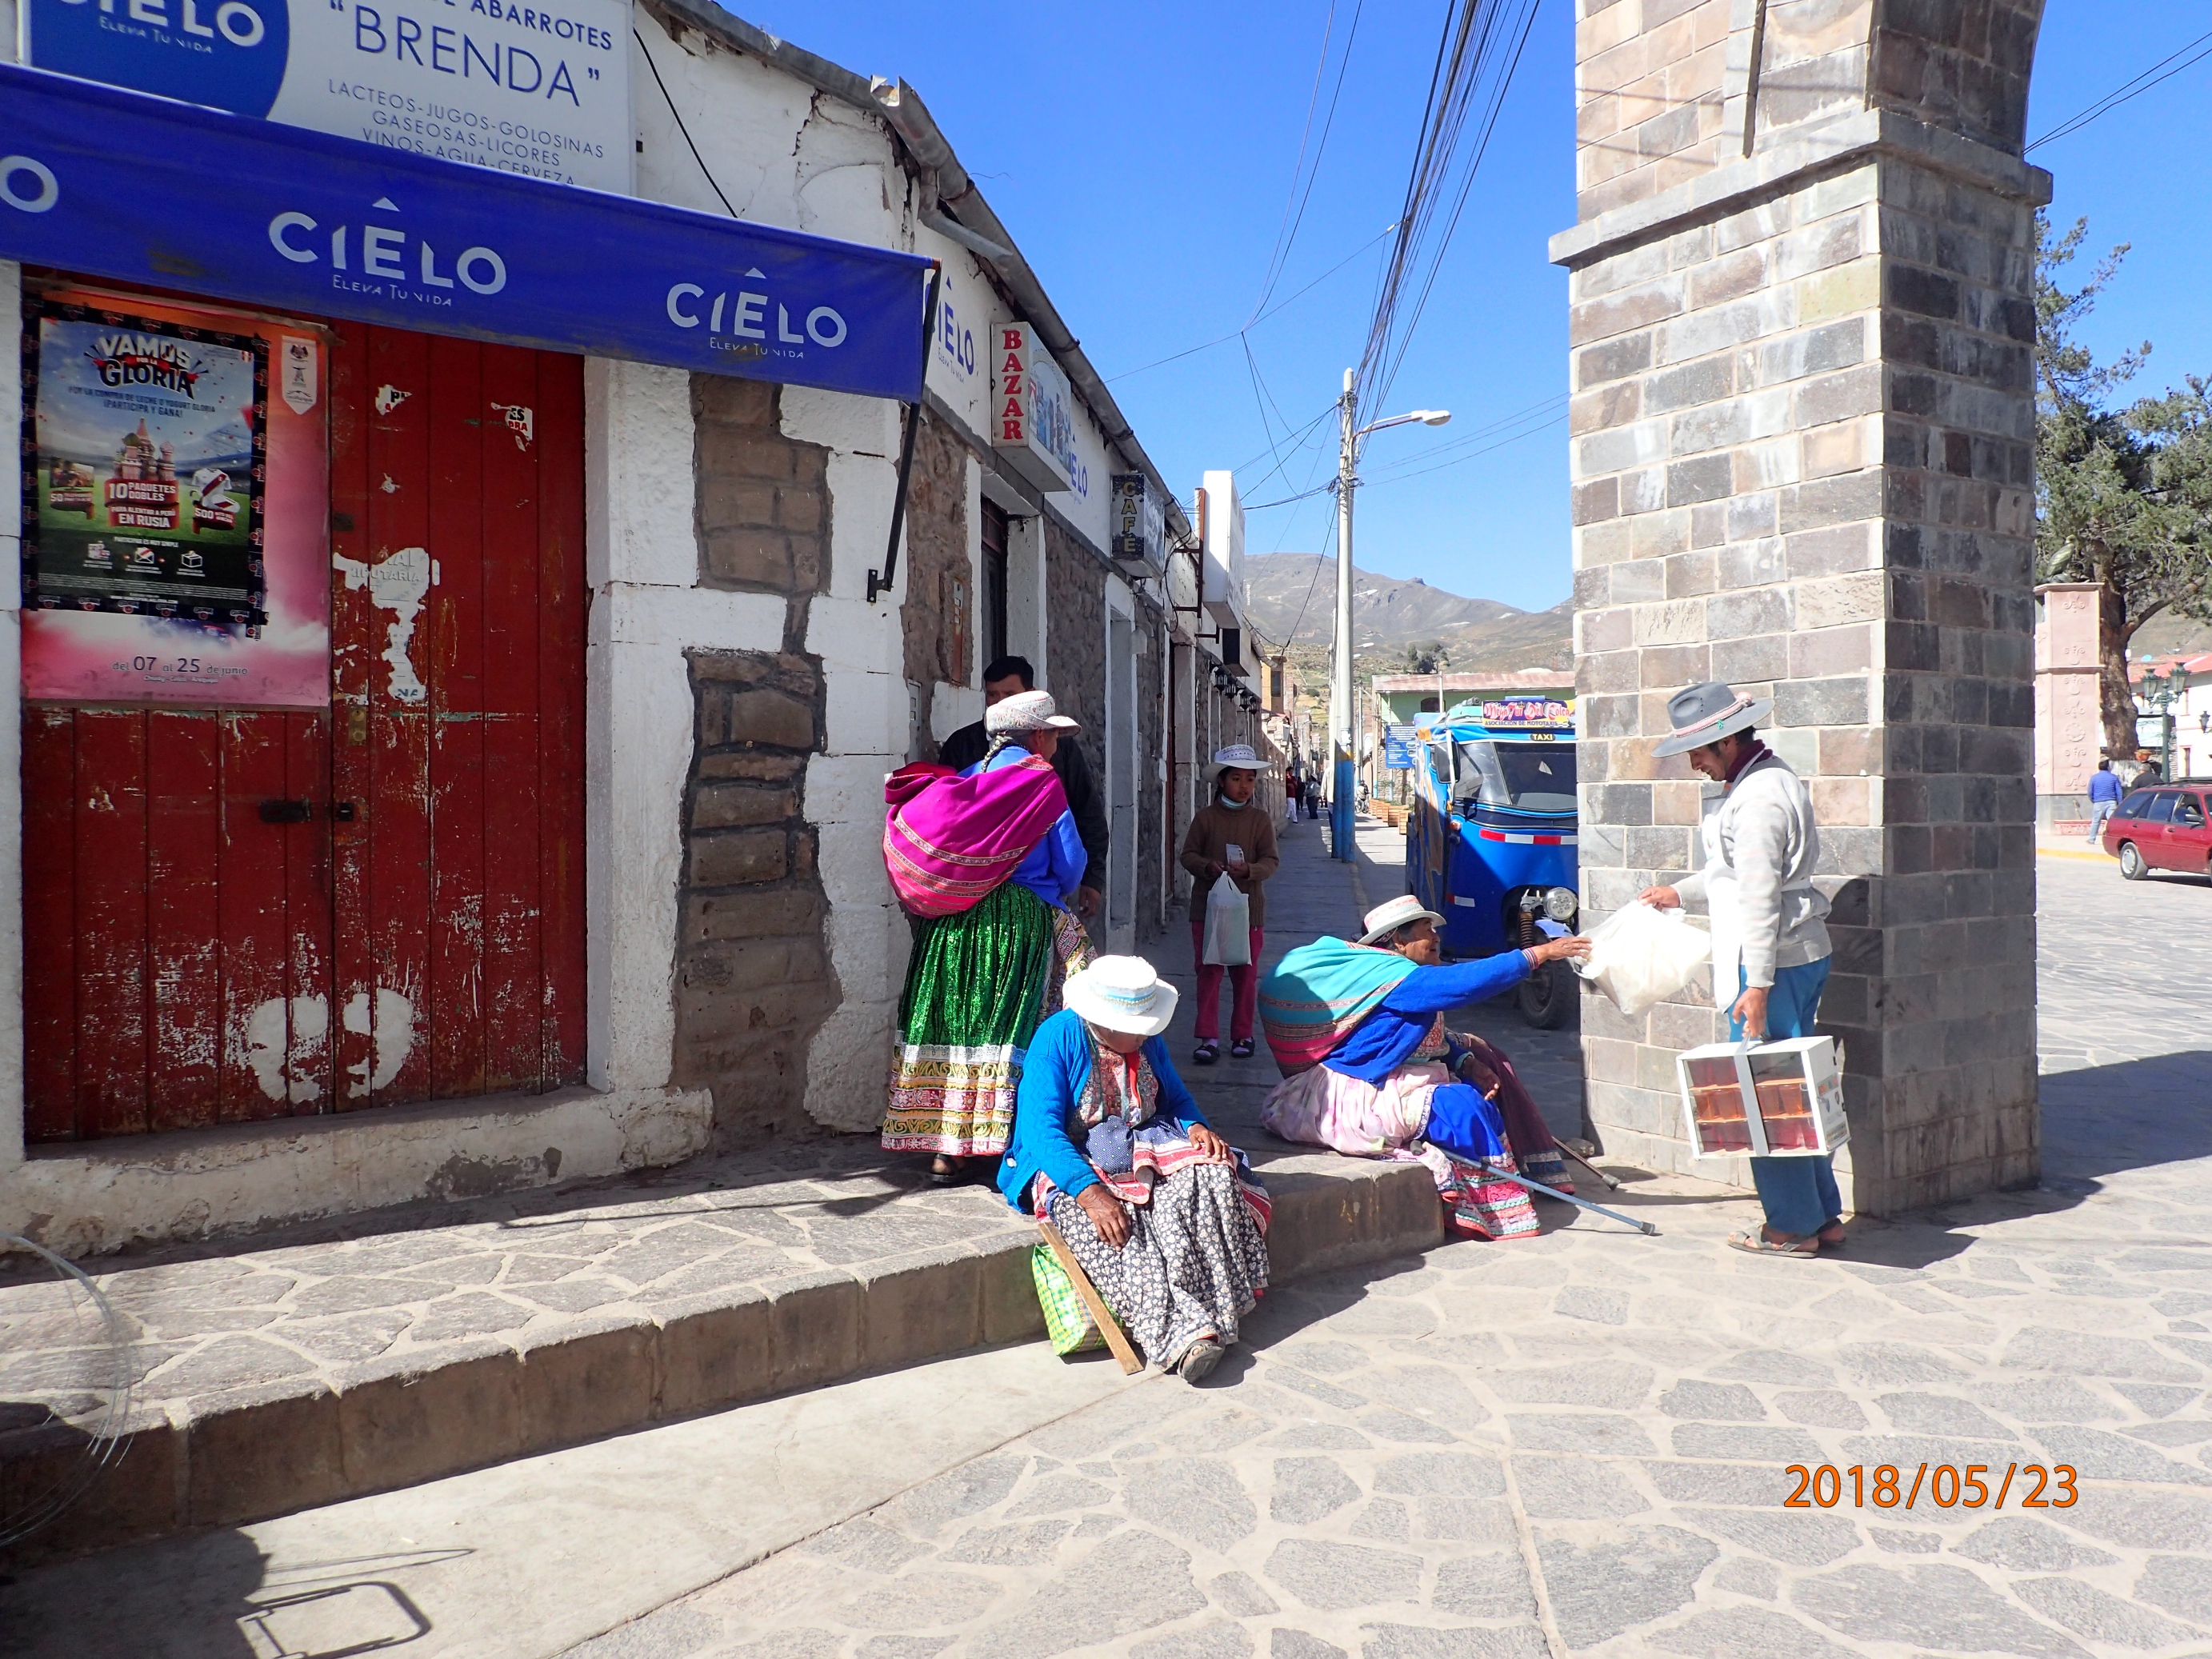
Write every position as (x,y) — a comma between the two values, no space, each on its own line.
(1643,1227)
(1611,1184)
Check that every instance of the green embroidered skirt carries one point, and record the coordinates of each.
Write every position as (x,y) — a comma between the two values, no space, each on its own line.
(976,986)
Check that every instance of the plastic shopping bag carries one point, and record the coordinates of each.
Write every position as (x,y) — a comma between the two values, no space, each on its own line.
(1228,941)
(1639,956)
(1066,1320)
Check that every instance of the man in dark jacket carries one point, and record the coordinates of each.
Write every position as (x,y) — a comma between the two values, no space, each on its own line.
(1005,678)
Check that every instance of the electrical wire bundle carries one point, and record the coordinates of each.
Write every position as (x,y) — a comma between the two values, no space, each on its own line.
(1481,43)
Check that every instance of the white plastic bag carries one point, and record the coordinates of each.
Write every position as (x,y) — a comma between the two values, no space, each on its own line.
(1639,956)
(1228,927)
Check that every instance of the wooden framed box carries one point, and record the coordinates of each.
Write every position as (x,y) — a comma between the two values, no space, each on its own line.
(1764,1100)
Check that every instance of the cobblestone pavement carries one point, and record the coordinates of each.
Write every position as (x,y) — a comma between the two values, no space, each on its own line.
(1579,1444)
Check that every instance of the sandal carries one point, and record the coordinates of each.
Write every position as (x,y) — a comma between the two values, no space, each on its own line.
(1758,1243)
(1241,1049)
(948,1171)
(1199,1359)
(1838,1242)
(1207,1053)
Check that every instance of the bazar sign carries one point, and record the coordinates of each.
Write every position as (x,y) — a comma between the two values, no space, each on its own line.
(541,89)
(103,182)
(1033,423)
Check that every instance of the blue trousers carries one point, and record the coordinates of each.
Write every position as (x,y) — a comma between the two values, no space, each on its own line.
(1799,1194)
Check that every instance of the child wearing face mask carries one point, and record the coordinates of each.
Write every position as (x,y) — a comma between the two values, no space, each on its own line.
(1231,836)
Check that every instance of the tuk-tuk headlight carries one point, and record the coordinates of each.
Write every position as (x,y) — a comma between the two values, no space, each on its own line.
(1561,903)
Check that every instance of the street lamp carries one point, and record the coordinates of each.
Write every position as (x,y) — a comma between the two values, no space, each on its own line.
(2162,693)
(1341,696)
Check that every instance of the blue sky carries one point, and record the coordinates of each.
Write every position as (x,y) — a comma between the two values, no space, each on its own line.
(1142,154)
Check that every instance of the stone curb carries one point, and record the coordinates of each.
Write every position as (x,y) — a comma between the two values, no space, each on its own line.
(247,1455)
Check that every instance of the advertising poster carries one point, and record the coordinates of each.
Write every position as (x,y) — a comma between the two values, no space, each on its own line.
(540,89)
(175,513)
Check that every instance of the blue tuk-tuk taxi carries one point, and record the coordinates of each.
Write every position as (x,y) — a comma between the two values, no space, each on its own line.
(1491,844)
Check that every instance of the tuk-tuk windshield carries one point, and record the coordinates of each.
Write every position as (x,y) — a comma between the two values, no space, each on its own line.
(1527,777)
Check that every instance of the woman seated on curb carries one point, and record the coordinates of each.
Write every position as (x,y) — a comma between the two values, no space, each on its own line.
(1358,1030)
(1165,1217)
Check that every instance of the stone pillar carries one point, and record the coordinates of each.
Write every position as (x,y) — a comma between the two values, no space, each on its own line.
(1802,420)
(2069,727)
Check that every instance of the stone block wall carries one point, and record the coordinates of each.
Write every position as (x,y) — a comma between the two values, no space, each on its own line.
(753,977)
(1801,424)
(1075,638)
(763,500)
(939,581)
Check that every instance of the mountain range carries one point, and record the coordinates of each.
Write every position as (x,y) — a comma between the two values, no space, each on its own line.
(1290,598)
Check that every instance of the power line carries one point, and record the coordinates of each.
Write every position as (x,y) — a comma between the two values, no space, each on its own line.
(680,127)
(1281,257)
(2126,90)
(1274,310)
(1478,52)
(1461,459)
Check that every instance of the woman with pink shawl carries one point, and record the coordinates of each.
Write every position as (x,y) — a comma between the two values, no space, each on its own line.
(986,860)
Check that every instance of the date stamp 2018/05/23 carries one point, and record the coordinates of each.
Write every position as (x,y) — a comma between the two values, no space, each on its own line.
(1949,1486)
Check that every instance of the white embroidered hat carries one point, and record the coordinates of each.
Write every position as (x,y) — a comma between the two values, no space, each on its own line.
(1390,916)
(1123,993)
(1242,755)
(1026,711)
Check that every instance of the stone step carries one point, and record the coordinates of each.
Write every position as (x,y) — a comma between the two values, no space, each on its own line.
(274,1378)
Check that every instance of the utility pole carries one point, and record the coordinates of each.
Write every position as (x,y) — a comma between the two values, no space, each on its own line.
(1341,831)
(1343,713)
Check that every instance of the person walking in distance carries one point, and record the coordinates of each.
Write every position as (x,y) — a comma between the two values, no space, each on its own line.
(1234,837)
(1009,677)
(1771,950)
(2105,792)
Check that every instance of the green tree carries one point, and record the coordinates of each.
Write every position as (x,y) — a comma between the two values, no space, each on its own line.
(2124,494)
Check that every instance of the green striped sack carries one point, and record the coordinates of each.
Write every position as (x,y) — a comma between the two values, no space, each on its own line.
(1065,1319)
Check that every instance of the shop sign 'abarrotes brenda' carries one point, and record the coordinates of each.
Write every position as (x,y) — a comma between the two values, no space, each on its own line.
(541,89)
(135,189)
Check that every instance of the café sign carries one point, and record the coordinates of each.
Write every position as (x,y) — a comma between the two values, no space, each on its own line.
(1139,523)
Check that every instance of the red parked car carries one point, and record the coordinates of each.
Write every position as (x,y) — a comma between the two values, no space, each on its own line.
(2166,828)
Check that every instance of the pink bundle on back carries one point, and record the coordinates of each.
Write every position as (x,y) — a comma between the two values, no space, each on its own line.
(950,841)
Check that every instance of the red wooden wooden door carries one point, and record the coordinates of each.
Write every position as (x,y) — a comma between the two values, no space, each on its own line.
(458,619)
(421,935)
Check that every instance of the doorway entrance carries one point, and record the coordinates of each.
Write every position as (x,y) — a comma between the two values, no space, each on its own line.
(236,913)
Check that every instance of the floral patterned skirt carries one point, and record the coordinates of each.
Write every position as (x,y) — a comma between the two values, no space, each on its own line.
(1195,1263)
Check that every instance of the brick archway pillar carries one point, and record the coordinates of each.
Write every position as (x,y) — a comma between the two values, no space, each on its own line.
(1802,423)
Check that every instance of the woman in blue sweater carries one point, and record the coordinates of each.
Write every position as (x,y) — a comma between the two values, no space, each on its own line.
(1165,1217)
(1369,1068)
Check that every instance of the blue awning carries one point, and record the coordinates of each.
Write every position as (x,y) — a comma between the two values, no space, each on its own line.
(108,182)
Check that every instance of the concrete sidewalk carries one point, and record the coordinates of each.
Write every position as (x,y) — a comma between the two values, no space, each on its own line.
(325,1362)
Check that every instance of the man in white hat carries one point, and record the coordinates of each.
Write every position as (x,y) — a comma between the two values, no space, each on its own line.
(1229,837)
(1165,1217)
(1771,949)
